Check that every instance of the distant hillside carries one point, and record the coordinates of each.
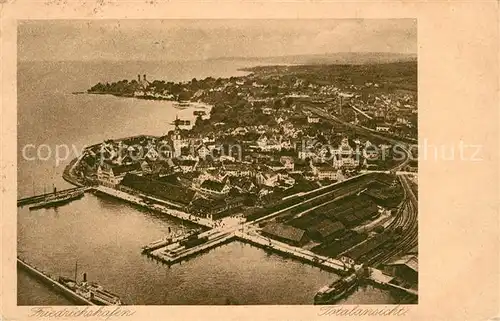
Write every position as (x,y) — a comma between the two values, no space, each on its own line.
(350,58)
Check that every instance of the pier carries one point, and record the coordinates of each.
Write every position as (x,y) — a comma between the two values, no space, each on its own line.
(164,242)
(54,284)
(176,252)
(40,198)
(300,254)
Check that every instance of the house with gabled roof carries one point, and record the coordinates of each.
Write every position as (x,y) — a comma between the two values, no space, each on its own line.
(404,268)
(110,176)
(238,169)
(267,177)
(215,188)
(324,171)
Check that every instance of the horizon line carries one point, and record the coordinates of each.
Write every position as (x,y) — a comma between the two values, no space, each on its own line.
(406,54)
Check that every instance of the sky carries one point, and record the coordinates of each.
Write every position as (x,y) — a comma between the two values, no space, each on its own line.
(180,40)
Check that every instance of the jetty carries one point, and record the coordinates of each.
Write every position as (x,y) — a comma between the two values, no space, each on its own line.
(297,253)
(165,241)
(181,251)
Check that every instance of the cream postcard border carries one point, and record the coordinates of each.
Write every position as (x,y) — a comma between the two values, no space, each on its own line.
(458,101)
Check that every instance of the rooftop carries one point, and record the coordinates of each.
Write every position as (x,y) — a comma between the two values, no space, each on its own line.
(410,261)
(284,231)
(213,185)
(327,227)
(366,247)
(120,169)
(166,191)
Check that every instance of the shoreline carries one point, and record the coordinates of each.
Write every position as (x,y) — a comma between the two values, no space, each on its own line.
(68,176)
(192,103)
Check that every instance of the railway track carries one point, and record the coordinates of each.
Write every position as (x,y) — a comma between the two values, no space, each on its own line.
(405,243)
(320,199)
(407,220)
(398,221)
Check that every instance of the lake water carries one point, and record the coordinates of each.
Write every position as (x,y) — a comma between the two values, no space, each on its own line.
(105,235)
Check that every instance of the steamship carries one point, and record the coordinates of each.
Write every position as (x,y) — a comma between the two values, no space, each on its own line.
(331,293)
(90,290)
(55,200)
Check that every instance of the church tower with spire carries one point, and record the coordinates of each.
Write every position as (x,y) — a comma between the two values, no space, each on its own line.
(177,139)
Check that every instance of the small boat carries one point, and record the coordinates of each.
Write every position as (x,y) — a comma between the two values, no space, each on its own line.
(199,113)
(331,293)
(182,104)
(180,122)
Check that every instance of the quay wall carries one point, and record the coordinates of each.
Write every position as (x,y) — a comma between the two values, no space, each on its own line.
(288,253)
(137,201)
(53,284)
(68,175)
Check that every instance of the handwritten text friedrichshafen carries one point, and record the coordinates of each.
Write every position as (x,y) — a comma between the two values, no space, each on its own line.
(75,312)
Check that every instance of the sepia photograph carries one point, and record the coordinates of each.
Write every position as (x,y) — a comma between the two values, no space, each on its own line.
(217,162)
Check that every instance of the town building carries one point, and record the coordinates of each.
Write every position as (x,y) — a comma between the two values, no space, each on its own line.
(404,269)
(267,111)
(165,193)
(214,209)
(288,162)
(312,119)
(324,171)
(202,151)
(275,165)
(186,165)
(238,169)
(267,177)
(325,231)
(266,143)
(382,128)
(111,176)
(215,188)
(285,233)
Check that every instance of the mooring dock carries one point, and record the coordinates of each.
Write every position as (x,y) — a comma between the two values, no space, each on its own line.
(163,242)
(47,279)
(177,252)
(173,253)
